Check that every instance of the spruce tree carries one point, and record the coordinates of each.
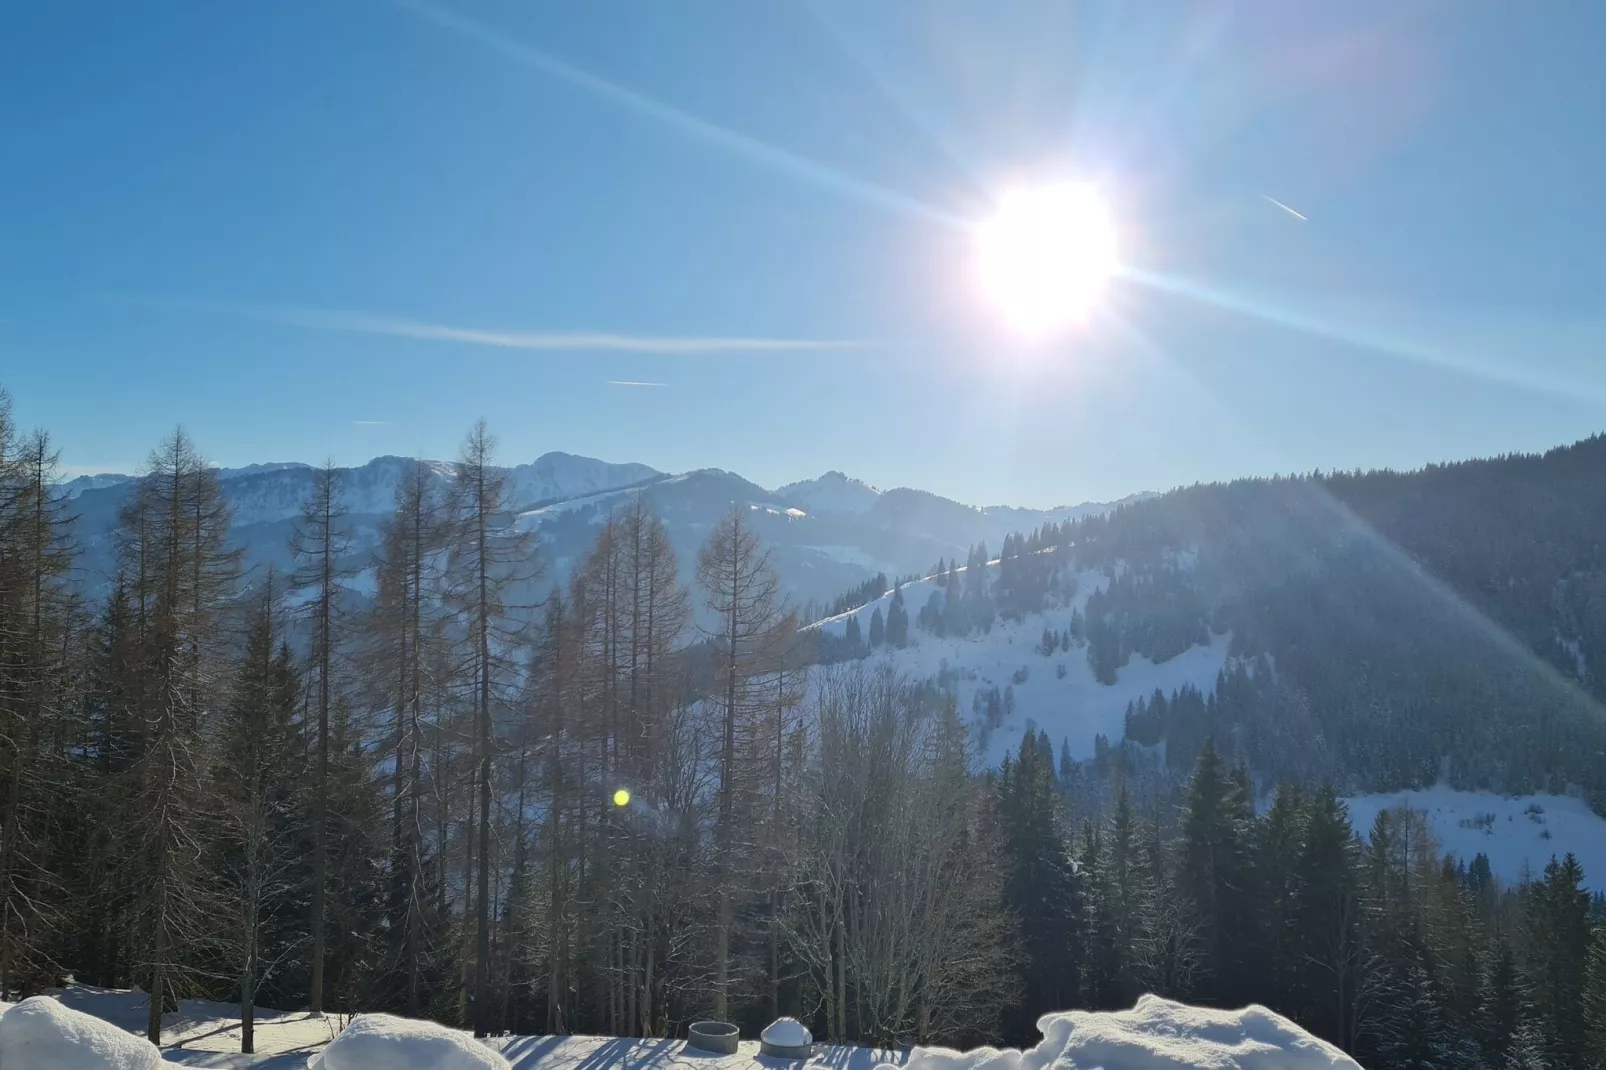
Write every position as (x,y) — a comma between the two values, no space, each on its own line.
(1215,872)
(1556,913)
(1326,938)
(1041,888)
(1595,999)
(897,632)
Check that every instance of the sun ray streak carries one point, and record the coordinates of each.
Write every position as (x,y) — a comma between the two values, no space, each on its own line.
(1346,519)
(1425,355)
(741,144)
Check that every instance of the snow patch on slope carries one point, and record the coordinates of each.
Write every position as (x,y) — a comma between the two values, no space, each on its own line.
(1073,707)
(1157,1034)
(1519,833)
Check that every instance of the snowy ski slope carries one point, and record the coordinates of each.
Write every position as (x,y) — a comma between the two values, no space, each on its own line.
(1073,706)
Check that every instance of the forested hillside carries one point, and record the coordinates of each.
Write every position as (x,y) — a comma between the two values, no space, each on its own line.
(607,813)
(1447,622)
(1384,630)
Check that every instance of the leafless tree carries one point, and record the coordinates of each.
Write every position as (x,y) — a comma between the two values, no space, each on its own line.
(743,599)
(489,557)
(896,915)
(173,541)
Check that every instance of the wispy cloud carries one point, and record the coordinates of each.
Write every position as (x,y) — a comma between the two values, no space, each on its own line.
(564,341)
(632,382)
(370,423)
(1297,215)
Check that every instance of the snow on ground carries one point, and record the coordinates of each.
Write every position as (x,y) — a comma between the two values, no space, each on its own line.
(1074,706)
(1157,1034)
(629,1053)
(1519,833)
(202,1026)
(386,1042)
(41,1034)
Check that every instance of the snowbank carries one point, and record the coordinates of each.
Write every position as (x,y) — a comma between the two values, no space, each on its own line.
(1155,1035)
(41,1034)
(386,1042)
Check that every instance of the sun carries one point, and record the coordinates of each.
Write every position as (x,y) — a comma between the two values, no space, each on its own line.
(1046,255)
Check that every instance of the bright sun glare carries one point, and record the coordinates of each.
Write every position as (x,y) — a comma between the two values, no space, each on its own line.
(1046,255)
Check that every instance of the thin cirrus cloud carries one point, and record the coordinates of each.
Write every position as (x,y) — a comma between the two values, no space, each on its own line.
(370,423)
(567,341)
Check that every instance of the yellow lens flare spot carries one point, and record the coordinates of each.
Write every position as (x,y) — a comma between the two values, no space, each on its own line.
(621,797)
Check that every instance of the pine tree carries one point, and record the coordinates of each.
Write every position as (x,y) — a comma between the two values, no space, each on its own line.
(1326,937)
(1557,921)
(1041,887)
(1500,1014)
(878,631)
(1216,871)
(1595,999)
(1100,952)
(897,620)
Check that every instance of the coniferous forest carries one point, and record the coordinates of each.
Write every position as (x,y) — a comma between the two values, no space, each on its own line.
(615,801)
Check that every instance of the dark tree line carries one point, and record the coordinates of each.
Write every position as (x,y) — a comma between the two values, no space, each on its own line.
(1374,941)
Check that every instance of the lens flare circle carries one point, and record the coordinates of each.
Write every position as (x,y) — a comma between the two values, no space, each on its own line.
(621,797)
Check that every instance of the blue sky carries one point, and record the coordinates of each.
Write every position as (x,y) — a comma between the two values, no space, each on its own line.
(306,229)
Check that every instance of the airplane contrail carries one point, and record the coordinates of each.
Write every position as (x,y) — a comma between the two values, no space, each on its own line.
(632,382)
(1297,215)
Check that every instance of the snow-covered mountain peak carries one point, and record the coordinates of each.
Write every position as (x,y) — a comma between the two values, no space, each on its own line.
(834,492)
(556,475)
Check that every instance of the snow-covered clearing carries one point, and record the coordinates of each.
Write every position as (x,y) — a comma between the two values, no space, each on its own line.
(1519,833)
(1154,1035)
(1073,706)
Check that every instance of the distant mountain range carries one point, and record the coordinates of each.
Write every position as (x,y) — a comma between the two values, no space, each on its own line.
(825,535)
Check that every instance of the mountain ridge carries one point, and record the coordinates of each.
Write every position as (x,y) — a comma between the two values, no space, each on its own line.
(826,535)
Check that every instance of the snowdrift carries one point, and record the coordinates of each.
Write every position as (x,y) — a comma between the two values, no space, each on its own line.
(41,1034)
(1157,1034)
(386,1042)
